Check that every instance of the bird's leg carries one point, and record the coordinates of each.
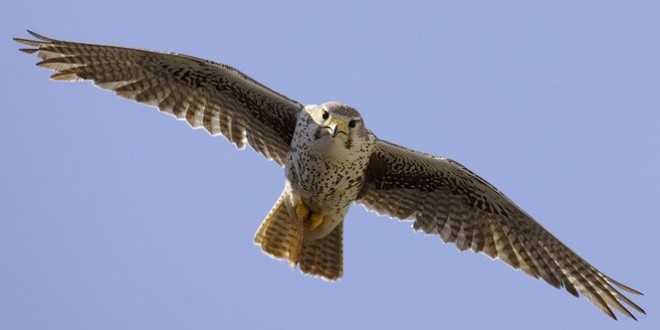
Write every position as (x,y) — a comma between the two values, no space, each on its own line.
(302,211)
(305,215)
(315,220)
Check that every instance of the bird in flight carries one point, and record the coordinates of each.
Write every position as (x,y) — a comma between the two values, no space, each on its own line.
(331,160)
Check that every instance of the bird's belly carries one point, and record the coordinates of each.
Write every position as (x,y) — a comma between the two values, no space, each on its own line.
(326,197)
(327,187)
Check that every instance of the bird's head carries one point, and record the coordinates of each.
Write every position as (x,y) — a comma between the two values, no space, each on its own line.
(334,122)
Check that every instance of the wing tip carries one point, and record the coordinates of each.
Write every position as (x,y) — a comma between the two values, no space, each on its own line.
(39,36)
(626,288)
(35,43)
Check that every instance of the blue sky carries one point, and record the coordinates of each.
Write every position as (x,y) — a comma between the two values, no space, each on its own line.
(113,216)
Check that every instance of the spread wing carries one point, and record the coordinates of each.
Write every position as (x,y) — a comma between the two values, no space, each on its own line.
(211,95)
(443,197)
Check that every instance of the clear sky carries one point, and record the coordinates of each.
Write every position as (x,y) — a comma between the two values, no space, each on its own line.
(113,216)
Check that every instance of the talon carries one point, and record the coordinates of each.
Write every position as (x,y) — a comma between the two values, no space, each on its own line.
(315,220)
(302,211)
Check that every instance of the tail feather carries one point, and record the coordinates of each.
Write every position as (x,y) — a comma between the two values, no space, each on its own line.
(282,237)
(324,257)
(278,236)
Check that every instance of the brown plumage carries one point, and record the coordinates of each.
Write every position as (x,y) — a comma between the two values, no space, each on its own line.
(331,160)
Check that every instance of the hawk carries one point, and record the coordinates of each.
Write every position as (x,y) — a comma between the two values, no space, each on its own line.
(331,160)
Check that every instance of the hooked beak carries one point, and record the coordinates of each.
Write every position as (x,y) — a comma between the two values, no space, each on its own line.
(336,126)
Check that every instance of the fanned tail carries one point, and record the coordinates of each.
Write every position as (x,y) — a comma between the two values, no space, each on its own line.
(278,236)
(324,257)
(282,237)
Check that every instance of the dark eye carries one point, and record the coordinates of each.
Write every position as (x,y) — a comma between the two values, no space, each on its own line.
(325,115)
(352,123)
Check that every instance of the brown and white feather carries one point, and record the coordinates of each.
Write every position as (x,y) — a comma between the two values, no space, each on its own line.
(443,197)
(208,95)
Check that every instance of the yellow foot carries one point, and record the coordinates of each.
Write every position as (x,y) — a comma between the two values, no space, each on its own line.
(315,220)
(302,211)
(306,216)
